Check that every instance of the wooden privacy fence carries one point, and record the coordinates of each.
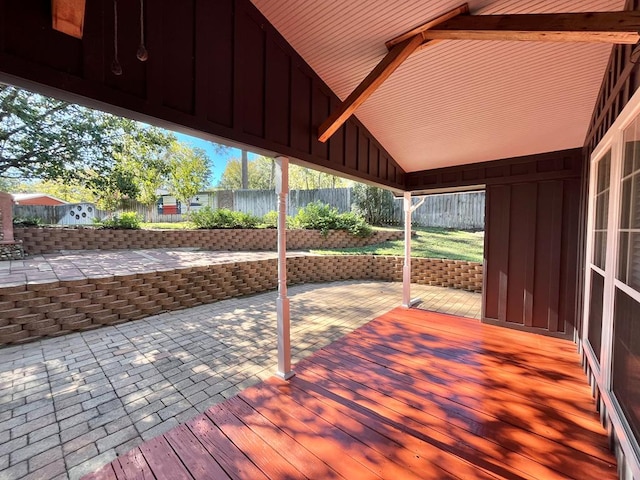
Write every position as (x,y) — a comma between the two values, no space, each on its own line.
(454,210)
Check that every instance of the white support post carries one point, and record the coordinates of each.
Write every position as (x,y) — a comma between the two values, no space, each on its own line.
(282,302)
(406,268)
(407,302)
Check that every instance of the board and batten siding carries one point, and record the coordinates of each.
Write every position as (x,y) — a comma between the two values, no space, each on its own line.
(217,69)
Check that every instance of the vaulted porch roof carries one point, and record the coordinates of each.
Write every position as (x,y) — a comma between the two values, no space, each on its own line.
(460,101)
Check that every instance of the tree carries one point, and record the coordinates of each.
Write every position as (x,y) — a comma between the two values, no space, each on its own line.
(373,203)
(144,157)
(189,170)
(116,188)
(262,176)
(45,138)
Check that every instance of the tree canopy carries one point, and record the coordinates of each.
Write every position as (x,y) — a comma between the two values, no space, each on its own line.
(75,152)
(262,176)
(46,138)
(188,172)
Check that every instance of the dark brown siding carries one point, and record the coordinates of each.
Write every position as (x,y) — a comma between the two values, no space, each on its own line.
(545,166)
(217,67)
(531,239)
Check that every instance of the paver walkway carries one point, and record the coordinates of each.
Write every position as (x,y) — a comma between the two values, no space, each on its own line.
(76,265)
(69,405)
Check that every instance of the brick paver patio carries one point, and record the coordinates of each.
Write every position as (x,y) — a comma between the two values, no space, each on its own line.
(71,404)
(77,265)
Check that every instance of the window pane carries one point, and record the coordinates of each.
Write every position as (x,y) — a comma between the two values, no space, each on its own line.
(595,312)
(623,257)
(633,276)
(600,249)
(626,358)
(631,148)
(635,202)
(602,210)
(625,204)
(604,168)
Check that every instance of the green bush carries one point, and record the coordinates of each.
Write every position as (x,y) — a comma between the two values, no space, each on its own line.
(207,217)
(123,221)
(355,225)
(27,221)
(270,220)
(323,217)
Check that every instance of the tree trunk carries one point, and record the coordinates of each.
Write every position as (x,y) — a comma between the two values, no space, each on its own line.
(245,170)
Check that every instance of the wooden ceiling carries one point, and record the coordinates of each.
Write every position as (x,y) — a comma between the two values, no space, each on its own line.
(465,101)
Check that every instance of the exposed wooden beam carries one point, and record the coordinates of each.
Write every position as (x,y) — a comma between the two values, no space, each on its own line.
(394,58)
(596,27)
(67,16)
(378,75)
(461,10)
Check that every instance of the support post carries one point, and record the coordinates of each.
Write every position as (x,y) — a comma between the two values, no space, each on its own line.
(407,302)
(406,268)
(282,302)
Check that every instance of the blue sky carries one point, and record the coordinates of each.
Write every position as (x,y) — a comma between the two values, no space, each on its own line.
(219,161)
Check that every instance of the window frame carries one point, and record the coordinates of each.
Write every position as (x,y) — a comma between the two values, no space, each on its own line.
(602,371)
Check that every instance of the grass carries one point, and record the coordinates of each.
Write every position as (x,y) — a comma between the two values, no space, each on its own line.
(167,225)
(428,242)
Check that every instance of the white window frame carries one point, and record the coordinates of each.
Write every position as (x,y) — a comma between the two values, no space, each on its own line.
(602,371)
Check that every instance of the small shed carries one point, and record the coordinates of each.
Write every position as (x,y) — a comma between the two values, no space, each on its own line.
(36,199)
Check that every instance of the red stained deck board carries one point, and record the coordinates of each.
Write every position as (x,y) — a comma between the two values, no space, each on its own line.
(474,369)
(195,457)
(164,462)
(491,392)
(506,444)
(132,465)
(310,432)
(411,394)
(231,458)
(359,443)
(301,458)
(480,405)
(558,372)
(267,459)
(493,458)
(423,458)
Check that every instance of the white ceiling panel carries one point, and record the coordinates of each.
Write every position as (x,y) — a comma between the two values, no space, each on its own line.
(457,102)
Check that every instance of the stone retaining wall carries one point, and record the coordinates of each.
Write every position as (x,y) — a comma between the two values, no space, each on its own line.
(36,240)
(29,312)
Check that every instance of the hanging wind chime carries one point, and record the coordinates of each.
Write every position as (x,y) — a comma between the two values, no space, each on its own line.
(142,54)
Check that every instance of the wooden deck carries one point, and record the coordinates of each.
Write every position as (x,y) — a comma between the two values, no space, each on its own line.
(411,395)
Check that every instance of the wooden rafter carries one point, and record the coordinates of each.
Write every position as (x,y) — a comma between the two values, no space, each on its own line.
(597,27)
(397,54)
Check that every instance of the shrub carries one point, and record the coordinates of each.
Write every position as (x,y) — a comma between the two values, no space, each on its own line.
(270,220)
(27,221)
(323,217)
(316,216)
(207,217)
(355,225)
(123,221)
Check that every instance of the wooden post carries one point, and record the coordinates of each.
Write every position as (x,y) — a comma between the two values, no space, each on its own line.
(406,268)
(407,302)
(6,210)
(282,302)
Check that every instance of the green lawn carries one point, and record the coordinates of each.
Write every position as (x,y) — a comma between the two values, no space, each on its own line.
(428,242)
